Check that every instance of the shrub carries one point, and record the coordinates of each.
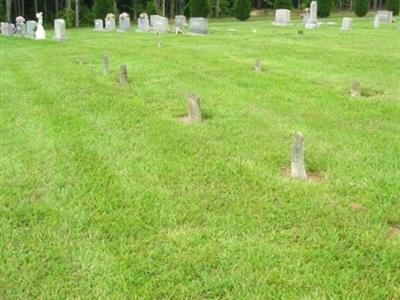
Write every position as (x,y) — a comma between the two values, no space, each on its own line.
(242,9)
(198,8)
(361,7)
(324,8)
(69,16)
(394,6)
(287,4)
(102,7)
(151,8)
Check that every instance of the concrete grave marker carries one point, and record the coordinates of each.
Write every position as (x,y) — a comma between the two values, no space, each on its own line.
(160,25)
(194,109)
(346,24)
(98,25)
(258,67)
(110,22)
(298,169)
(282,17)
(180,22)
(143,23)
(198,26)
(355,89)
(30,29)
(123,75)
(59,30)
(311,21)
(20,26)
(124,22)
(377,21)
(385,16)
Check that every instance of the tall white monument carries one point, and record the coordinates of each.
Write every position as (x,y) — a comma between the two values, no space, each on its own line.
(40,34)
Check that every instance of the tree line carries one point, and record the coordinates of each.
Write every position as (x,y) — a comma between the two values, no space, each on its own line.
(83,12)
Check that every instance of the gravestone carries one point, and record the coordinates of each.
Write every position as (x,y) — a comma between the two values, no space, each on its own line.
(40,34)
(311,19)
(124,22)
(30,29)
(110,22)
(2,28)
(282,17)
(385,16)
(59,30)
(152,19)
(143,23)
(194,109)
(355,89)
(123,74)
(98,25)
(180,22)
(105,65)
(198,26)
(160,25)
(346,24)
(258,67)
(298,169)
(377,21)
(7,29)
(20,26)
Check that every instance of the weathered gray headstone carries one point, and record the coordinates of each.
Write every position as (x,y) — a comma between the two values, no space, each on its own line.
(282,17)
(98,25)
(8,29)
(152,19)
(30,29)
(355,89)
(20,26)
(198,26)
(385,16)
(258,67)
(124,22)
(194,109)
(59,30)
(2,28)
(143,23)
(180,22)
(377,21)
(346,24)
(160,25)
(311,19)
(298,169)
(110,22)
(123,74)
(105,65)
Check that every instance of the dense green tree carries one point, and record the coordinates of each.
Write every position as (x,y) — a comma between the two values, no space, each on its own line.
(198,8)
(394,6)
(360,7)
(287,4)
(151,8)
(102,7)
(242,9)
(324,8)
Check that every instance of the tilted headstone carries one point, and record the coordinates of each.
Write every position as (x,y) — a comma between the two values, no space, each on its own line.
(40,34)
(312,21)
(110,22)
(98,25)
(123,74)
(355,89)
(346,24)
(298,169)
(124,22)
(377,21)
(105,65)
(385,16)
(59,30)
(194,109)
(143,23)
(20,26)
(198,26)
(258,67)
(180,22)
(160,25)
(30,29)
(282,17)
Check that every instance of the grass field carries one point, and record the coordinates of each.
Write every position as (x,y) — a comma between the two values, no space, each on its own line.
(106,194)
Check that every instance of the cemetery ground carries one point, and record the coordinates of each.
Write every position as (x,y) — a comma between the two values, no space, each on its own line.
(107,194)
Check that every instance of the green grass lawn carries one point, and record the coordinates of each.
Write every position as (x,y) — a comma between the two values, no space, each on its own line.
(106,194)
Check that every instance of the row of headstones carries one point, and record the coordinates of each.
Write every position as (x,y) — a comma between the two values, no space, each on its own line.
(282,18)
(32,29)
(155,23)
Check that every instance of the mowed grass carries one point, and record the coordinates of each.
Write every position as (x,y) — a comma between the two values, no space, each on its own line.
(106,194)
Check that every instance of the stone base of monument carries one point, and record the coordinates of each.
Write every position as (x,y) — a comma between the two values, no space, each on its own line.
(281,24)
(311,25)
